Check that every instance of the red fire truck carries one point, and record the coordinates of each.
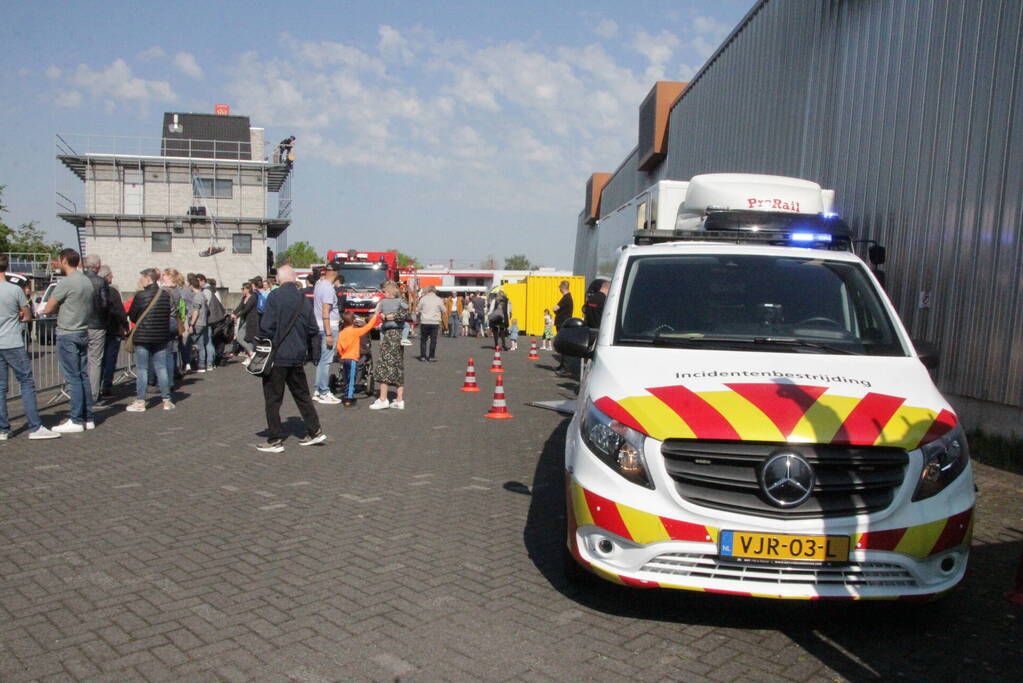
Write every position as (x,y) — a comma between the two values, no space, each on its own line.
(363,272)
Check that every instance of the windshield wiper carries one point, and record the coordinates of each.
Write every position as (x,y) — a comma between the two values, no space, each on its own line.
(802,343)
(659,338)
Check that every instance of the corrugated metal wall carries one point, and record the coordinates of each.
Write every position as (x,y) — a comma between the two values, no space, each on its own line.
(912,110)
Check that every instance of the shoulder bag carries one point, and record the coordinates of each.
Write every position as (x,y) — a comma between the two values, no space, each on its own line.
(129,344)
(264,349)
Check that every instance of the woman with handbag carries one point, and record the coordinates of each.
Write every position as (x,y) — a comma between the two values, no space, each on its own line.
(150,311)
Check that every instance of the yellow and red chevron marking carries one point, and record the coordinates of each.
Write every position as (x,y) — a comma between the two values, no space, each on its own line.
(778,412)
(923,540)
(586,508)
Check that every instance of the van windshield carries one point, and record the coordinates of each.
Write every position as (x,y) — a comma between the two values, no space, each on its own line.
(754,302)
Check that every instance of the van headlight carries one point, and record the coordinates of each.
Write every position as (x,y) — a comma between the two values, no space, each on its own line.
(944,460)
(619,447)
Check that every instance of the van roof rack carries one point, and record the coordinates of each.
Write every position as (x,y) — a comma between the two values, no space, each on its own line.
(822,231)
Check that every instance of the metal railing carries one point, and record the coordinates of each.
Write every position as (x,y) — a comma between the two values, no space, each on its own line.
(74,145)
(41,343)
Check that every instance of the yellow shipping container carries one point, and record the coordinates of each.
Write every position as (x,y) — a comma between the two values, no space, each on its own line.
(516,292)
(542,293)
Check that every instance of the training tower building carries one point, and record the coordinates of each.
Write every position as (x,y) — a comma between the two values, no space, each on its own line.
(198,198)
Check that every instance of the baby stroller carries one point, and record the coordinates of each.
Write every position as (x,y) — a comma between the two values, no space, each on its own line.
(363,372)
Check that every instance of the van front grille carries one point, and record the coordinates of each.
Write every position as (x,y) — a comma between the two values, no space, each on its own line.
(850,480)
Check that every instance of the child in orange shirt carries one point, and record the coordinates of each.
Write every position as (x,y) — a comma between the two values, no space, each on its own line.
(348,344)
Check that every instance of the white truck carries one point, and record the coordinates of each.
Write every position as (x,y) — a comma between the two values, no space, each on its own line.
(755,419)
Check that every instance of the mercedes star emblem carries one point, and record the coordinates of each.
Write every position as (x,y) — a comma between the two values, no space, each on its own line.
(787,480)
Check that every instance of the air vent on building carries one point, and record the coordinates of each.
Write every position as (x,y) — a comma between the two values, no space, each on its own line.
(653,122)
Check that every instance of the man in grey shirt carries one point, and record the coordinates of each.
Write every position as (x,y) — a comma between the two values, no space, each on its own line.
(14,311)
(198,330)
(73,296)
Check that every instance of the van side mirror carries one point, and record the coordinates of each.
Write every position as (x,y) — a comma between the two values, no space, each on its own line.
(573,339)
(928,353)
(877,255)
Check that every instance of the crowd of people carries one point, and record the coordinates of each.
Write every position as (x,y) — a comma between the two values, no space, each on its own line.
(175,324)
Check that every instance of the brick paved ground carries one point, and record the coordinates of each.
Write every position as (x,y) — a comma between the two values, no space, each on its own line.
(417,546)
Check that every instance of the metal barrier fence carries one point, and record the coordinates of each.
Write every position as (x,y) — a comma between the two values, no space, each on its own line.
(41,342)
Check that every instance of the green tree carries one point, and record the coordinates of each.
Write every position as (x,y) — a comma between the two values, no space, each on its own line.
(404,260)
(299,255)
(30,239)
(517,262)
(26,237)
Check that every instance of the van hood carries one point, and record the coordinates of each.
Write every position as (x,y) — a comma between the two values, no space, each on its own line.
(776,397)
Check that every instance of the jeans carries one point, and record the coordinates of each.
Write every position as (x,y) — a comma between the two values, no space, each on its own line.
(111,347)
(454,325)
(322,384)
(17,360)
(172,361)
(405,329)
(351,370)
(73,356)
(97,345)
(273,395)
(428,340)
(204,344)
(157,353)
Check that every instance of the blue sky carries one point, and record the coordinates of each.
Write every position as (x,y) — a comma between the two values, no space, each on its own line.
(450,130)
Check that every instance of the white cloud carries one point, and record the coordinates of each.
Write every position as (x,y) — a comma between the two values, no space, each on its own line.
(606,29)
(116,82)
(151,53)
(710,25)
(532,120)
(393,46)
(69,99)
(53,72)
(658,49)
(186,64)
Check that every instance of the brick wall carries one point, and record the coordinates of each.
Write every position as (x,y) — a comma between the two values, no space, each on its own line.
(130,252)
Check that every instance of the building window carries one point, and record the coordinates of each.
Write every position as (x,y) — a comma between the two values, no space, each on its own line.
(241,244)
(211,188)
(161,241)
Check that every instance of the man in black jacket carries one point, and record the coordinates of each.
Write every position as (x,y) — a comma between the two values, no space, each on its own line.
(293,347)
(117,329)
(150,310)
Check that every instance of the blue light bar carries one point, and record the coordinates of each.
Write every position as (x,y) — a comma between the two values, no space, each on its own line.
(829,214)
(823,237)
(802,237)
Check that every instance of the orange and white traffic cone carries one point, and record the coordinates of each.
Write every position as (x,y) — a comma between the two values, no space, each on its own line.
(470,377)
(496,365)
(499,409)
(1016,594)
(534,354)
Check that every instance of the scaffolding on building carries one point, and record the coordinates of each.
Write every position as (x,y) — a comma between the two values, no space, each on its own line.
(126,161)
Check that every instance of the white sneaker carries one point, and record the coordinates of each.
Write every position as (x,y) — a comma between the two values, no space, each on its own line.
(89,424)
(329,399)
(136,407)
(380,404)
(168,404)
(4,436)
(398,405)
(406,342)
(69,427)
(41,433)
